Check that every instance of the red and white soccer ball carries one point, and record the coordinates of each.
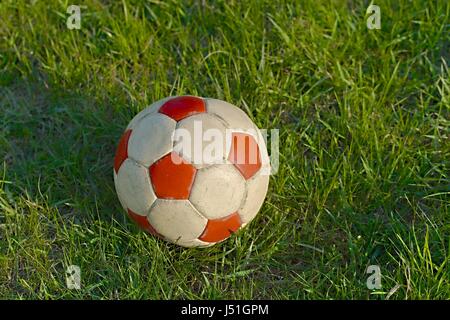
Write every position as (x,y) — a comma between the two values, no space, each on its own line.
(178,181)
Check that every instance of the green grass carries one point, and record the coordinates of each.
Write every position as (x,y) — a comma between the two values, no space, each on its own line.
(364,146)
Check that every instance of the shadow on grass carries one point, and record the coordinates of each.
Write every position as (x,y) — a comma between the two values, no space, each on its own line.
(60,146)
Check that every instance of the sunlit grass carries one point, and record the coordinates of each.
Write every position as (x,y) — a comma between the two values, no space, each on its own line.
(364,146)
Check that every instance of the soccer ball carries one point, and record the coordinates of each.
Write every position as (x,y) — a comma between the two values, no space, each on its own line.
(191,170)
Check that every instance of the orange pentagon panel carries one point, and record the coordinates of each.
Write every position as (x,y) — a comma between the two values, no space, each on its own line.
(122,150)
(143,222)
(172,177)
(219,229)
(245,154)
(181,107)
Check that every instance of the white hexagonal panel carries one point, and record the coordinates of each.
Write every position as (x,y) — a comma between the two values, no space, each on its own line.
(194,243)
(134,188)
(153,108)
(256,193)
(177,220)
(201,139)
(232,115)
(218,191)
(122,202)
(151,138)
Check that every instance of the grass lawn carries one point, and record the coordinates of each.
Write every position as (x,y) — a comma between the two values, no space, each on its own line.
(364,120)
